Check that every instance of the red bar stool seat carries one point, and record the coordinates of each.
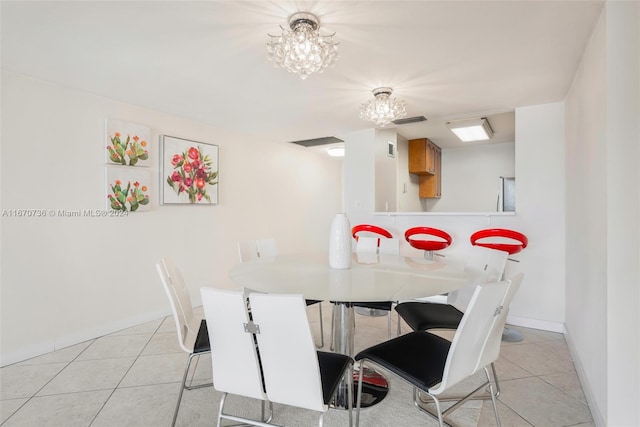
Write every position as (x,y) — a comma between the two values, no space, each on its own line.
(515,244)
(428,245)
(362,228)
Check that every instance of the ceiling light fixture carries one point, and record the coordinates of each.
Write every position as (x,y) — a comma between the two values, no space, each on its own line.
(471,129)
(383,109)
(335,151)
(303,50)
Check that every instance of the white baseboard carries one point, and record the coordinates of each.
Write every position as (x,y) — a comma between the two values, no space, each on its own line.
(536,324)
(27,352)
(76,337)
(105,329)
(598,420)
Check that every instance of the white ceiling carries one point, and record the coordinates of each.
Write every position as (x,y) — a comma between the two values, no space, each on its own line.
(207,60)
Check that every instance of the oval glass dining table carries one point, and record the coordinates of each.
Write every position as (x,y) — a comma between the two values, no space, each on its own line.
(371,278)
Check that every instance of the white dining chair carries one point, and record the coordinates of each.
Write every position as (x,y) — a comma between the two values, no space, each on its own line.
(269,354)
(294,372)
(247,250)
(234,356)
(433,365)
(250,250)
(390,246)
(191,329)
(266,247)
(367,250)
(484,266)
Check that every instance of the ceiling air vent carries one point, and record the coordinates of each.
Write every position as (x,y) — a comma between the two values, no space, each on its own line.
(318,141)
(415,119)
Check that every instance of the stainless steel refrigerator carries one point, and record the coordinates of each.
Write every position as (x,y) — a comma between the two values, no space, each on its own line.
(507,194)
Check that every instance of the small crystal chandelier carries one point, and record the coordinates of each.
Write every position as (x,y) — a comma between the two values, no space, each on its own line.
(383,109)
(303,50)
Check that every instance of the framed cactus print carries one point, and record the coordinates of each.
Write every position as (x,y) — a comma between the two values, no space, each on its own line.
(128,189)
(188,172)
(127,143)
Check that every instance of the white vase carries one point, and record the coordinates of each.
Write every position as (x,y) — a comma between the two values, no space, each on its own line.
(340,242)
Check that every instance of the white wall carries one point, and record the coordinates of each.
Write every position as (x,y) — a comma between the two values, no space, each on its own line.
(359,175)
(586,218)
(623,211)
(470,177)
(65,280)
(386,168)
(540,213)
(603,217)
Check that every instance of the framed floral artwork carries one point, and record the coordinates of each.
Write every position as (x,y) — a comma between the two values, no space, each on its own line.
(189,171)
(127,143)
(128,189)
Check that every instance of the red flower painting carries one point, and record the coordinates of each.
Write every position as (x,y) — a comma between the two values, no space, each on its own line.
(192,172)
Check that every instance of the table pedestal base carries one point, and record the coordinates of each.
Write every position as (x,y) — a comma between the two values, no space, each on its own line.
(374,384)
(374,390)
(371,312)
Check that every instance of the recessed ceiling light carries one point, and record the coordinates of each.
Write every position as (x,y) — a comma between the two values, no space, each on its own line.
(335,151)
(471,129)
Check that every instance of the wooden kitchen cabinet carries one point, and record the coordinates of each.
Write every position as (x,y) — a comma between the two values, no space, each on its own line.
(425,160)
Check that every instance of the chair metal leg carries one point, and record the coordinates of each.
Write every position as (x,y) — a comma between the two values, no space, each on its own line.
(321,327)
(184,386)
(417,396)
(495,380)
(331,343)
(359,397)
(439,411)
(243,421)
(224,396)
(493,397)
(472,395)
(267,420)
(350,393)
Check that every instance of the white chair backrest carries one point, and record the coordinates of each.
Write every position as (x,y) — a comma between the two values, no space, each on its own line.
(235,364)
(483,265)
(367,250)
(492,347)
(266,247)
(288,354)
(486,263)
(247,250)
(187,325)
(389,246)
(368,245)
(481,320)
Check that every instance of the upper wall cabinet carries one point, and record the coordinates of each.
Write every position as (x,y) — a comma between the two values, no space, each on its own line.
(425,160)
(422,156)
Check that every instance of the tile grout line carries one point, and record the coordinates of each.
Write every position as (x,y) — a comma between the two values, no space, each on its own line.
(47,383)
(539,377)
(564,392)
(125,374)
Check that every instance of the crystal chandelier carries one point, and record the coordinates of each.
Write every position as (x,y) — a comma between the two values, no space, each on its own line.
(303,50)
(383,108)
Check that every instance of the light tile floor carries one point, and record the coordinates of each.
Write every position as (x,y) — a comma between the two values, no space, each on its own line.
(131,378)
